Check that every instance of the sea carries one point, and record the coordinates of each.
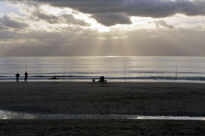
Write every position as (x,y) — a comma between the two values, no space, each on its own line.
(113,68)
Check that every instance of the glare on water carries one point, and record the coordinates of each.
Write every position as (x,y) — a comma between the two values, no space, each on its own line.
(113,68)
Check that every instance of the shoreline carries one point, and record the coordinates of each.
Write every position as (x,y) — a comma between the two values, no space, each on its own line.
(109,81)
(168,79)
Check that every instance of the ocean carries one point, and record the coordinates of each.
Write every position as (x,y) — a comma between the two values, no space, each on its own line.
(130,68)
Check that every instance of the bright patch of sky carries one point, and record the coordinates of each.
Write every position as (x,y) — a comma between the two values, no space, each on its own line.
(6,9)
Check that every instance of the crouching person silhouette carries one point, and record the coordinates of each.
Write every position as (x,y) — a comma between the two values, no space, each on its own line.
(102,80)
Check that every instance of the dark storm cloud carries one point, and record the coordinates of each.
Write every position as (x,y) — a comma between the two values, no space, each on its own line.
(109,12)
(6,22)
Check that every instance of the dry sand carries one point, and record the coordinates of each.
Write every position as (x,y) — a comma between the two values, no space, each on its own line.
(117,98)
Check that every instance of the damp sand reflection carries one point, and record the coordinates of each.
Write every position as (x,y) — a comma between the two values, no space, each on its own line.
(23,115)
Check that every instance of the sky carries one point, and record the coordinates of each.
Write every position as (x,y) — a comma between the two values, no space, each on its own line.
(102,28)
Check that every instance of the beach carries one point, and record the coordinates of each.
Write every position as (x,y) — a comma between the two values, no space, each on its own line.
(181,99)
(175,99)
(101,128)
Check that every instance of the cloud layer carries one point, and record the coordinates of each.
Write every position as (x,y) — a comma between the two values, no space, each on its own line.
(6,23)
(110,12)
(102,27)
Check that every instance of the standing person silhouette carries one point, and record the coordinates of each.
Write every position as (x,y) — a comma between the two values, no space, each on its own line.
(17,77)
(26,76)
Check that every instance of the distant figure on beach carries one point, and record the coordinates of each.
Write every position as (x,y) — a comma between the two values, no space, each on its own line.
(17,77)
(54,77)
(93,80)
(102,79)
(26,76)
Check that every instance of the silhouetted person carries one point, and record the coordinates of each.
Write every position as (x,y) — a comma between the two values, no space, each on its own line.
(54,77)
(93,80)
(102,79)
(17,77)
(26,77)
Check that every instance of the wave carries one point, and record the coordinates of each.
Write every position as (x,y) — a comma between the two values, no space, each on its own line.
(106,72)
(81,77)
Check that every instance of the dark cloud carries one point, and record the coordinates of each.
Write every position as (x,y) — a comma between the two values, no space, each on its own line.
(6,23)
(152,8)
(104,10)
(112,19)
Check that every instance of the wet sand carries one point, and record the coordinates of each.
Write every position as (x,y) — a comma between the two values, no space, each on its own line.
(183,99)
(100,128)
(117,98)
